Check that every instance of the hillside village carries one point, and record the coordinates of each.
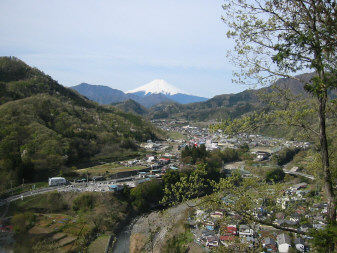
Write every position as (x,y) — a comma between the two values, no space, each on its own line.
(211,231)
(208,227)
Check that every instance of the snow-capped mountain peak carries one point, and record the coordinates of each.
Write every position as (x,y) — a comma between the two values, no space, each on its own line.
(158,87)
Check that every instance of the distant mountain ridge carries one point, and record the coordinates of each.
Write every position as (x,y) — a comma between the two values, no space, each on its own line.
(148,95)
(159,106)
(230,106)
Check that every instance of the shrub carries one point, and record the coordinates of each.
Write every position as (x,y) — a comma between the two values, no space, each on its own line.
(275,176)
(55,202)
(23,221)
(84,202)
(285,156)
(146,194)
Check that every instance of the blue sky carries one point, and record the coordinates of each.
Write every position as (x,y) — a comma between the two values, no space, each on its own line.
(122,43)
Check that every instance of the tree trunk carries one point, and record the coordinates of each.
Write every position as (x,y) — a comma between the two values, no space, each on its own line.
(331,215)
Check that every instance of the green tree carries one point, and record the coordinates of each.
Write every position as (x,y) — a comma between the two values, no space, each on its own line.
(171,177)
(146,194)
(276,39)
(279,38)
(275,176)
(323,238)
(189,186)
(285,155)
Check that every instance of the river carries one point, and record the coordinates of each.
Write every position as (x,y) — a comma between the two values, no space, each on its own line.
(123,240)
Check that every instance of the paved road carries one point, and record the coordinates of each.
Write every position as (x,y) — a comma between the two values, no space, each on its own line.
(34,192)
(82,186)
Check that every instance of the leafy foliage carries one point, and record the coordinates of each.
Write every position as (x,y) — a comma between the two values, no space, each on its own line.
(213,159)
(194,154)
(285,155)
(146,194)
(179,187)
(84,202)
(322,238)
(23,221)
(278,39)
(177,244)
(275,176)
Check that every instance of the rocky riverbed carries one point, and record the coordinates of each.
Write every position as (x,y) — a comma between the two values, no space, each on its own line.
(151,232)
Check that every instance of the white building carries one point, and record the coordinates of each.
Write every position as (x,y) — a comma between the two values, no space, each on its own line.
(283,242)
(57,181)
(245,230)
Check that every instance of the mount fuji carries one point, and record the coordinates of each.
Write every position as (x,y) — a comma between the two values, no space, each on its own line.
(157,87)
(166,90)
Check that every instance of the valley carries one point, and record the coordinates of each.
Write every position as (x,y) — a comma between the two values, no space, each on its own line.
(100,181)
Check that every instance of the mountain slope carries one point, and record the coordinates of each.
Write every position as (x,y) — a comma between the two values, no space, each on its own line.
(131,106)
(46,128)
(217,108)
(102,94)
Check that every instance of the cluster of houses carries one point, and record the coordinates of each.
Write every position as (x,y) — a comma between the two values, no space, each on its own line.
(155,146)
(217,140)
(222,228)
(150,161)
(211,232)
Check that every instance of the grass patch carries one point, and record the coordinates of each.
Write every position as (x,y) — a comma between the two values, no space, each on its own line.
(177,136)
(109,168)
(179,242)
(41,203)
(99,245)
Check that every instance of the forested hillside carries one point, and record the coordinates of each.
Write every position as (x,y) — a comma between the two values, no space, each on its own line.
(46,128)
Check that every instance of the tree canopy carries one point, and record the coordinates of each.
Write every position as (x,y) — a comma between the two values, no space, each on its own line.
(281,38)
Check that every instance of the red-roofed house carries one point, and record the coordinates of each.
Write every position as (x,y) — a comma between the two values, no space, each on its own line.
(231,229)
(226,240)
